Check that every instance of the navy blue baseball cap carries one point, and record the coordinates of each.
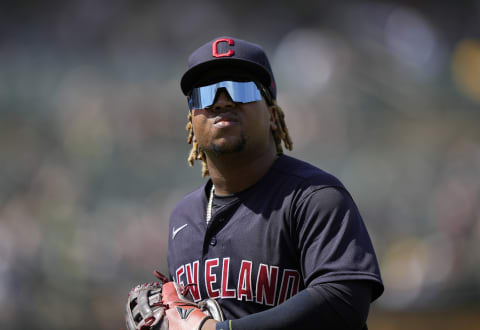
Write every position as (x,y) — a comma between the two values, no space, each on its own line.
(227,58)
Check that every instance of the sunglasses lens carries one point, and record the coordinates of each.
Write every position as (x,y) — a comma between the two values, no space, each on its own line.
(242,92)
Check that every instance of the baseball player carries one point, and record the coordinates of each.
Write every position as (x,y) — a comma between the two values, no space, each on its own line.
(274,242)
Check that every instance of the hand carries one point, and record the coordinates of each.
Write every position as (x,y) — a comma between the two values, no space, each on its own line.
(166,305)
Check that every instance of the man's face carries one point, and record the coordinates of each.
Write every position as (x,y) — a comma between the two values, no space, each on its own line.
(229,127)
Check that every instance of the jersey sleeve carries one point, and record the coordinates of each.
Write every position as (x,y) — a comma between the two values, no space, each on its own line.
(334,305)
(332,240)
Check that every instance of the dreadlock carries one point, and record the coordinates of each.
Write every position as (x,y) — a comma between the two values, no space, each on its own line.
(279,135)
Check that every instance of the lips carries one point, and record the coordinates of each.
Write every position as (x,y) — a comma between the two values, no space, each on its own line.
(225,120)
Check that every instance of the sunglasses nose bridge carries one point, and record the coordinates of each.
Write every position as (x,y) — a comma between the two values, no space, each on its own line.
(222,100)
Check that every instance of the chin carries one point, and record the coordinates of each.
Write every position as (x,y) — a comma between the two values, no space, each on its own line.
(227,147)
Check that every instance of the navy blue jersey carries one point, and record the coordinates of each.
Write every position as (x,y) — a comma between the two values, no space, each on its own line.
(294,228)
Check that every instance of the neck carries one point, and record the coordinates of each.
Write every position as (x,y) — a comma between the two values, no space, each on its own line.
(232,173)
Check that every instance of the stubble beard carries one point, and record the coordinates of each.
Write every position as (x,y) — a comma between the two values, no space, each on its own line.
(223,149)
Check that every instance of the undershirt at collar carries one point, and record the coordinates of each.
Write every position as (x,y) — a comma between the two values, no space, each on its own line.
(219,201)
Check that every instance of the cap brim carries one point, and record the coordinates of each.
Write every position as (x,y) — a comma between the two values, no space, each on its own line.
(228,68)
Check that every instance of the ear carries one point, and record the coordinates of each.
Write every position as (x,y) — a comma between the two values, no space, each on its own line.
(273,123)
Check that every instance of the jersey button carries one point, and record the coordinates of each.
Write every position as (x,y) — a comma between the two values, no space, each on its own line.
(213,241)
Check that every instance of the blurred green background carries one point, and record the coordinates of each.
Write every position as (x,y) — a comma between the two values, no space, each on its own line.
(383,94)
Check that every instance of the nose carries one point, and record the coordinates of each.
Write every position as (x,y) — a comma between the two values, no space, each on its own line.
(222,101)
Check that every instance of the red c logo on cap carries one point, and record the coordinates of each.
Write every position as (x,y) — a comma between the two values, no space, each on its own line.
(215,50)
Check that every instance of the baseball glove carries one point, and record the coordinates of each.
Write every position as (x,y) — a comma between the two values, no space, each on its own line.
(166,305)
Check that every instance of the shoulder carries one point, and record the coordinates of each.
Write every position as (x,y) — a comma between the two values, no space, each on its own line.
(296,186)
(305,174)
(189,202)
(315,190)
(328,203)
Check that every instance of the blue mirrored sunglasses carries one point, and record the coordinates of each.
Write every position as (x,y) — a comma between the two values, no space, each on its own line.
(243,92)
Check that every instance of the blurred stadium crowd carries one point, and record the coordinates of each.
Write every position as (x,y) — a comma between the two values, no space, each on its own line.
(385,95)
